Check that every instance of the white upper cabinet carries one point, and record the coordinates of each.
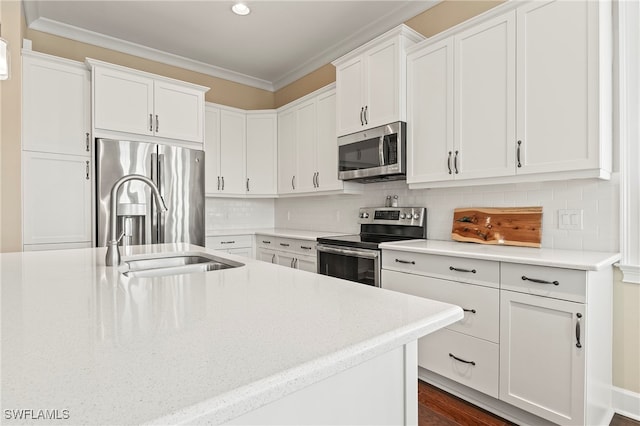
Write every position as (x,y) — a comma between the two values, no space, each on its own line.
(371,82)
(564,86)
(308,146)
(56,105)
(522,93)
(130,101)
(262,153)
(240,149)
(484,105)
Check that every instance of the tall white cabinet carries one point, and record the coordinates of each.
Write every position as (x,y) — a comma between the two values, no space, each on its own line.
(56,145)
(520,93)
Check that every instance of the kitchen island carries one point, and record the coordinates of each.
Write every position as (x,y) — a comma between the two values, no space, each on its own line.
(84,344)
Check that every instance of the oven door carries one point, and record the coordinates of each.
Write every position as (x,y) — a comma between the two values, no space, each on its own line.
(353,264)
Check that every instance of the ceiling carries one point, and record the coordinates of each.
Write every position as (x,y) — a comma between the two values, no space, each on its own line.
(277,43)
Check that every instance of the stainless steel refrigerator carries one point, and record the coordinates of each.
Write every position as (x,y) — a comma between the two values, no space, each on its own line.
(179,175)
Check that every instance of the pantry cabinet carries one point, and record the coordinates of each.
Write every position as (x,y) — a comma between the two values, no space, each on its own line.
(130,101)
(240,151)
(371,82)
(56,153)
(308,147)
(498,99)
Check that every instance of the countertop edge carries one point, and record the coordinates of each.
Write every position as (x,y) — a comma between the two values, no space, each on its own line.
(255,395)
(300,234)
(604,260)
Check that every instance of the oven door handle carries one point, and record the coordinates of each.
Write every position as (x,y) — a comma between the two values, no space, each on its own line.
(368,254)
(381,151)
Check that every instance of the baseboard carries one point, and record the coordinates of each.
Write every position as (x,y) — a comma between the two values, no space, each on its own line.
(626,403)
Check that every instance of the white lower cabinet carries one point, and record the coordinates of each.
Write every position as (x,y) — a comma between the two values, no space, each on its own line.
(290,252)
(535,340)
(56,191)
(241,245)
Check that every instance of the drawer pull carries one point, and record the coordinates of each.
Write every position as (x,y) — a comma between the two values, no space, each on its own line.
(408,262)
(227,242)
(266,242)
(473,311)
(578,344)
(284,244)
(534,280)
(462,360)
(305,247)
(451,268)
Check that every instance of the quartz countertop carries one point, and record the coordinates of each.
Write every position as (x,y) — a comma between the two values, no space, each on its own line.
(82,337)
(570,259)
(300,234)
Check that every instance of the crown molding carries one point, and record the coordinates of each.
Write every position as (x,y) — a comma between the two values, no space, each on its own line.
(107,42)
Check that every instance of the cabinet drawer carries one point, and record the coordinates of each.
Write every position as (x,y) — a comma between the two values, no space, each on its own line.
(229,242)
(267,241)
(483,272)
(481,304)
(559,283)
(436,352)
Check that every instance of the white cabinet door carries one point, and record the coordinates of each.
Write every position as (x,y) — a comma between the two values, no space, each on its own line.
(287,165)
(542,356)
(56,105)
(122,101)
(285,259)
(212,150)
(262,140)
(178,112)
(243,251)
(350,101)
(430,113)
(306,146)
(382,85)
(56,198)
(558,85)
(232,152)
(306,263)
(327,151)
(484,117)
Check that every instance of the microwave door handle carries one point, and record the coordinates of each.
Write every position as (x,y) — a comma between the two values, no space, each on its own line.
(381,151)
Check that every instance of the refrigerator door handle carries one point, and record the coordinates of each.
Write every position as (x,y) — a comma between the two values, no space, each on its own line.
(154,212)
(160,183)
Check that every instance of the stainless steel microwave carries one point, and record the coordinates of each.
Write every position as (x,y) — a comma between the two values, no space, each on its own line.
(374,155)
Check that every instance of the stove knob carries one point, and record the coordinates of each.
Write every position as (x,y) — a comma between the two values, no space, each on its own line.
(416,216)
(402,216)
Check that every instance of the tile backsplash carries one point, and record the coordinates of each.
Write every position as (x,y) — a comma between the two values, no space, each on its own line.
(597,199)
(238,213)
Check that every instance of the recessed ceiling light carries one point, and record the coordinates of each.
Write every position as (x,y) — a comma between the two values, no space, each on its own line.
(241,9)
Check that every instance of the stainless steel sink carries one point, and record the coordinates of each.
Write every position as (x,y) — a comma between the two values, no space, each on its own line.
(174,264)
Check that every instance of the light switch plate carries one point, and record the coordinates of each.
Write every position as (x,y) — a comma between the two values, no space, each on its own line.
(570,219)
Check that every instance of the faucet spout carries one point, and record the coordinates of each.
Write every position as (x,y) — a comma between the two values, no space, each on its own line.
(113,251)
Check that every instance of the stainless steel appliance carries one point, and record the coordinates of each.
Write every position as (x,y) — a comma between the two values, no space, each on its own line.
(179,175)
(374,155)
(357,257)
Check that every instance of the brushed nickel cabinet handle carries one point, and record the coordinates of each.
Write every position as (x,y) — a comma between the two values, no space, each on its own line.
(223,183)
(537,281)
(305,247)
(461,360)
(151,122)
(247,184)
(284,244)
(218,183)
(473,311)
(449,162)
(455,162)
(273,258)
(227,242)
(157,123)
(293,182)
(266,242)
(88,148)
(362,116)
(366,119)
(87,171)
(408,262)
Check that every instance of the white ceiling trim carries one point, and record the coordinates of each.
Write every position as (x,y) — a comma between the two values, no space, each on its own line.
(361,37)
(101,40)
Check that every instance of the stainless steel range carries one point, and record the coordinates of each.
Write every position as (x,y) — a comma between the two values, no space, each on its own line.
(357,257)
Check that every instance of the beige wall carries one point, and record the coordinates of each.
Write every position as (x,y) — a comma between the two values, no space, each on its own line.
(11,227)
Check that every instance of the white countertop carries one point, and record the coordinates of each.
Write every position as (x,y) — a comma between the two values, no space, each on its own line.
(300,234)
(79,336)
(571,259)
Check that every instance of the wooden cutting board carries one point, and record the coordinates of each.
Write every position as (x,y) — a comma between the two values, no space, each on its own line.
(511,226)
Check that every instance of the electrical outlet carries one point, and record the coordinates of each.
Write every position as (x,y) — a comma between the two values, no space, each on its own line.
(570,219)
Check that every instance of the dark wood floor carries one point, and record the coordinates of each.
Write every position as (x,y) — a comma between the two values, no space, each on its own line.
(438,408)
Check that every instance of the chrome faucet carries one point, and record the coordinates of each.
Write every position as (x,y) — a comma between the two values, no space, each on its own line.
(113,251)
